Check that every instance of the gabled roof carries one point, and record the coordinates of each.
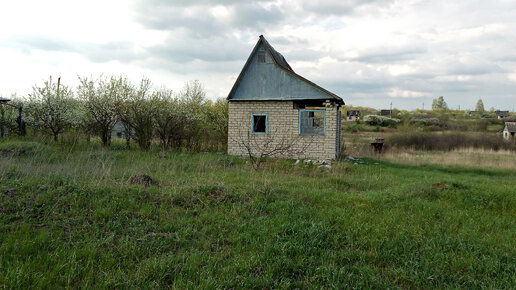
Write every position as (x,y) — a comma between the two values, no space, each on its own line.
(385,112)
(511,126)
(282,63)
(502,113)
(278,58)
(4,100)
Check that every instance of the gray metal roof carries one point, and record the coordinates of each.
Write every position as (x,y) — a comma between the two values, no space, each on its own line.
(502,113)
(4,100)
(278,58)
(281,62)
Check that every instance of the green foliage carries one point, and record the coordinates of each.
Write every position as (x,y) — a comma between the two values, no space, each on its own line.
(480,106)
(139,111)
(190,120)
(425,121)
(72,220)
(169,118)
(439,104)
(216,124)
(101,100)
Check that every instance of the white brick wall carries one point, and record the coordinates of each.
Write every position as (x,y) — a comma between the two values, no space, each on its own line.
(283,126)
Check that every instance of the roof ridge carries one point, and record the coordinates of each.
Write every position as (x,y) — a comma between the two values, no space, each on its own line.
(282,63)
(289,69)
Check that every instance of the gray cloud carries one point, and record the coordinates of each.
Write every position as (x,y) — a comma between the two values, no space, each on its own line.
(342,7)
(215,49)
(196,17)
(461,51)
(121,51)
(389,54)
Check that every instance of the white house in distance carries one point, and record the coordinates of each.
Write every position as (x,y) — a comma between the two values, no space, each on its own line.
(353,115)
(509,130)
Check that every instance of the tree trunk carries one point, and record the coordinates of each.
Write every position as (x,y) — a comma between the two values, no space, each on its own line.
(105,139)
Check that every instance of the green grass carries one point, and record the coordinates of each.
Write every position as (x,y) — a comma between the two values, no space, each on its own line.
(70,218)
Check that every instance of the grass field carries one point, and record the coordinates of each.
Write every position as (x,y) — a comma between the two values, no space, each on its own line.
(70,218)
(470,157)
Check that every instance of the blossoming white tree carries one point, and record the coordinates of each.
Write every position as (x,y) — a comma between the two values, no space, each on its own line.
(101,100)
(52,107)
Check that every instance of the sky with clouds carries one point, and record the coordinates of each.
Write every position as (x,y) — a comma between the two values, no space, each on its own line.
(370,52)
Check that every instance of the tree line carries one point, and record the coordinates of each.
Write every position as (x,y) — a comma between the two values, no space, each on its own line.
(187,119)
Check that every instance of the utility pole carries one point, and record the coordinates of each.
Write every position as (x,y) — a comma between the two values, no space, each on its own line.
(391,109)
(58,83)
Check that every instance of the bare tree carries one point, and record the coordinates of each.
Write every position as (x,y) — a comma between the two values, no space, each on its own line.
(138,110)
(169,118)
(192,101)
(272,144)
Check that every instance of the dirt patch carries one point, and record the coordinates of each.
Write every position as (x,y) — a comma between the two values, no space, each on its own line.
(9,192)
(5,152)
(440,185)
(212,192)
(444,186)
(143,179)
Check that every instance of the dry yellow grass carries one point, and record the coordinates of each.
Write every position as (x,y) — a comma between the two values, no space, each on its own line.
(468,157)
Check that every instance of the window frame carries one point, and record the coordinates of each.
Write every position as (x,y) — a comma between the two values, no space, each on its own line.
(309,134)
(261,56)
(266,124)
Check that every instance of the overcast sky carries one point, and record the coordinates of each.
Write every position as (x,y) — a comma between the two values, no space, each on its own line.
(370,52)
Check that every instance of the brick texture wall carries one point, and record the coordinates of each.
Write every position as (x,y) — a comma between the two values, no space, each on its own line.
(283,126)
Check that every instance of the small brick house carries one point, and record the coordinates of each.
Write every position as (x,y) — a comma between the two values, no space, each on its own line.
(270,103)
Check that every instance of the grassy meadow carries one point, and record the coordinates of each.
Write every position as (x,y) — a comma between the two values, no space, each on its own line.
(70,218)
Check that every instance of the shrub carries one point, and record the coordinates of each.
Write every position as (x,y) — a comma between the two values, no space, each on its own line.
(353,128)
(424,121)
(481,125)
(449,141)
(376,120)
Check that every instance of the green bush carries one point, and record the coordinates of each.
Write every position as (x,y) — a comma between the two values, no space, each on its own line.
(376,120)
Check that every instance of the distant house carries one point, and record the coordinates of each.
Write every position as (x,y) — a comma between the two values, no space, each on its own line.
(119,130)
(353,115)
(472,113)
(509,130)
(272,106)
(502,114)
(386,112)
